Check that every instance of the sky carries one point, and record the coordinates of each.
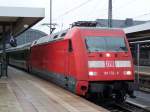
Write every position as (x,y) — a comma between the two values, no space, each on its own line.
(91,10)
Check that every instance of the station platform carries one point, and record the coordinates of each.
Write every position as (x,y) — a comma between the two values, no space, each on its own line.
(142,99)
(143,70)
(21,92)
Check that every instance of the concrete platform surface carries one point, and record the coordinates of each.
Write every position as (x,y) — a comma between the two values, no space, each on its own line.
(22,92)
(142,99)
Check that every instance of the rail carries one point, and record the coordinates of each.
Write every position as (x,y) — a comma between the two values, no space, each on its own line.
(130,107)
(127,106)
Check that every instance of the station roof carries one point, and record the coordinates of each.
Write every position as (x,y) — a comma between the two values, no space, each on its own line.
(139,32)
(19,19)
(137,28)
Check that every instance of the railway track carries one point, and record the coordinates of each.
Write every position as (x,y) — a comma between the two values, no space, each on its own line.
(123,107)
(128,107)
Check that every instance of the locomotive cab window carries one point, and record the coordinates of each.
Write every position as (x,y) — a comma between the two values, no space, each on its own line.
(115,44)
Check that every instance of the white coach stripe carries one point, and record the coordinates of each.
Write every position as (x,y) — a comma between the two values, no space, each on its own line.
(96,64)
(123,63)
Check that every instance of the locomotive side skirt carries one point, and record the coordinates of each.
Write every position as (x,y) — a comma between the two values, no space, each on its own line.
(60,79)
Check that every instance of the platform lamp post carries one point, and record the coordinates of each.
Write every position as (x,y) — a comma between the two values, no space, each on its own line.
(50,16)
(3,64)
(110,13)
(138,63)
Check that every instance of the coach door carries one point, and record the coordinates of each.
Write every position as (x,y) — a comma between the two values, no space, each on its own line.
(69,80)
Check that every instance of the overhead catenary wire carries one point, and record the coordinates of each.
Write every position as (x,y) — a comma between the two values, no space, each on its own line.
(96,9)
(102,10)
(93,9)
(129,3)
(79,6)
(122,6)
(139,16)
(116,7)
(70,11)
(74,8)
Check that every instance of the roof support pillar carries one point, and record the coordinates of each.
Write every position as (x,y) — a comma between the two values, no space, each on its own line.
(3,58)
(137,46)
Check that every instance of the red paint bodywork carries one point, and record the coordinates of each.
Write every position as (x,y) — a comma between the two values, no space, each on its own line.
(55,57)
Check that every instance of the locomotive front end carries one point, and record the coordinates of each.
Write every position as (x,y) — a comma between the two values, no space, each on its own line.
(110,66)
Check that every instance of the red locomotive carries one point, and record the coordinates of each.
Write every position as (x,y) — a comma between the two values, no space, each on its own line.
(84,60)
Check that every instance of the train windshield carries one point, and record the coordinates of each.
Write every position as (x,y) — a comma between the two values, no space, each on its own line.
(115,44)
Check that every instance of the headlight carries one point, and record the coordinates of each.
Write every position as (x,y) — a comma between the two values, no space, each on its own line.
(92,73)
(107,55)
(127,73)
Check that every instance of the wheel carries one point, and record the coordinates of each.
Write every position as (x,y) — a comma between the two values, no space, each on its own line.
(120,96)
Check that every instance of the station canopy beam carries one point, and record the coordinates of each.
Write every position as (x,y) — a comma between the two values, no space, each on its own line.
(138,32)
(19,19)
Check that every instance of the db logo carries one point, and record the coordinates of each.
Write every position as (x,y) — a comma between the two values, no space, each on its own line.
(110,63)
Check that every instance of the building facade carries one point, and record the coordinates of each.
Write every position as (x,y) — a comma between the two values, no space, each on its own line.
(119,23)
(29,36)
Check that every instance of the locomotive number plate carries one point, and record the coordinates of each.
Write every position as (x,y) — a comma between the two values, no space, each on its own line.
(109,63)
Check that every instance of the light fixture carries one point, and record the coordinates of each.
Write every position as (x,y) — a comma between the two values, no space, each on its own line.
(107,54)
(26,26)
(92,73)
(127,73)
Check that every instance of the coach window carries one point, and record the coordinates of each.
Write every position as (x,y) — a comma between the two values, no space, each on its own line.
(56,36)
(35,42)
(63,34)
